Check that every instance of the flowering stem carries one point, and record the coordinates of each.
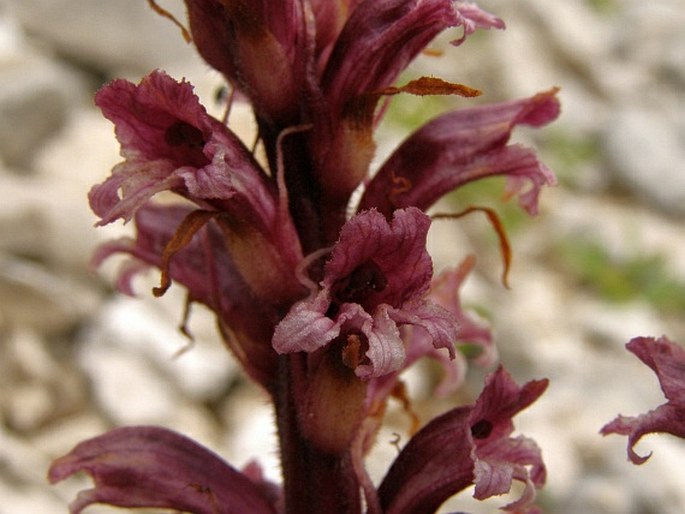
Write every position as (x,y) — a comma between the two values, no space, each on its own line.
(313,480)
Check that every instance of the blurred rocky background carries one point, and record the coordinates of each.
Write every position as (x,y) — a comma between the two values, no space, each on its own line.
(603,262)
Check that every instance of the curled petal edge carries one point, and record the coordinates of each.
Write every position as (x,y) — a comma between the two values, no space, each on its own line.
(667,359)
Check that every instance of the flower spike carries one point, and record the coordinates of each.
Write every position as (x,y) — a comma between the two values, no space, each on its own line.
(323,300)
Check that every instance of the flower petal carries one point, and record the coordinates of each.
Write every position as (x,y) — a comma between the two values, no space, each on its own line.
(306,327)
(386,349)
(395,252)
(155,467)
(445,291)
(157,119)
(507,460)
(460,147)
(435,464)
(667,360)
(666,418)
(440,324)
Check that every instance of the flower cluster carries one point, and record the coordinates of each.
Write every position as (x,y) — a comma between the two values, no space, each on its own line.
(324,301)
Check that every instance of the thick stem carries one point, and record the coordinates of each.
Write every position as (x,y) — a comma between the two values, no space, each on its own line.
(313,481)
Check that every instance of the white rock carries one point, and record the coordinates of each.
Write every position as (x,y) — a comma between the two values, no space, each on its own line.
(24,462)
(126,386)
(82,154)
(19,500)
(29,406)
(64,433)
(202,370)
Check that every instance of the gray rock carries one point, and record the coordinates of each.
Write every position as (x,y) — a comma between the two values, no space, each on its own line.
(35,98)
(120,35)
(646,152)
(655,41)
(22,478)
(32,295)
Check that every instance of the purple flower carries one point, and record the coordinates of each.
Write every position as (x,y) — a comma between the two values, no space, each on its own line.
(268,218)
(462,146)
(667,360)
(376,279)
(324,306)
(170,143)
(205,163)
(468,445)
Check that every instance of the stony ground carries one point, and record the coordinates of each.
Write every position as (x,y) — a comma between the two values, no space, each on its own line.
(604,261)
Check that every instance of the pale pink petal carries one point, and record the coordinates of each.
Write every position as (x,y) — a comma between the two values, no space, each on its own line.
(306,327)
(441,325)
(386,348)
